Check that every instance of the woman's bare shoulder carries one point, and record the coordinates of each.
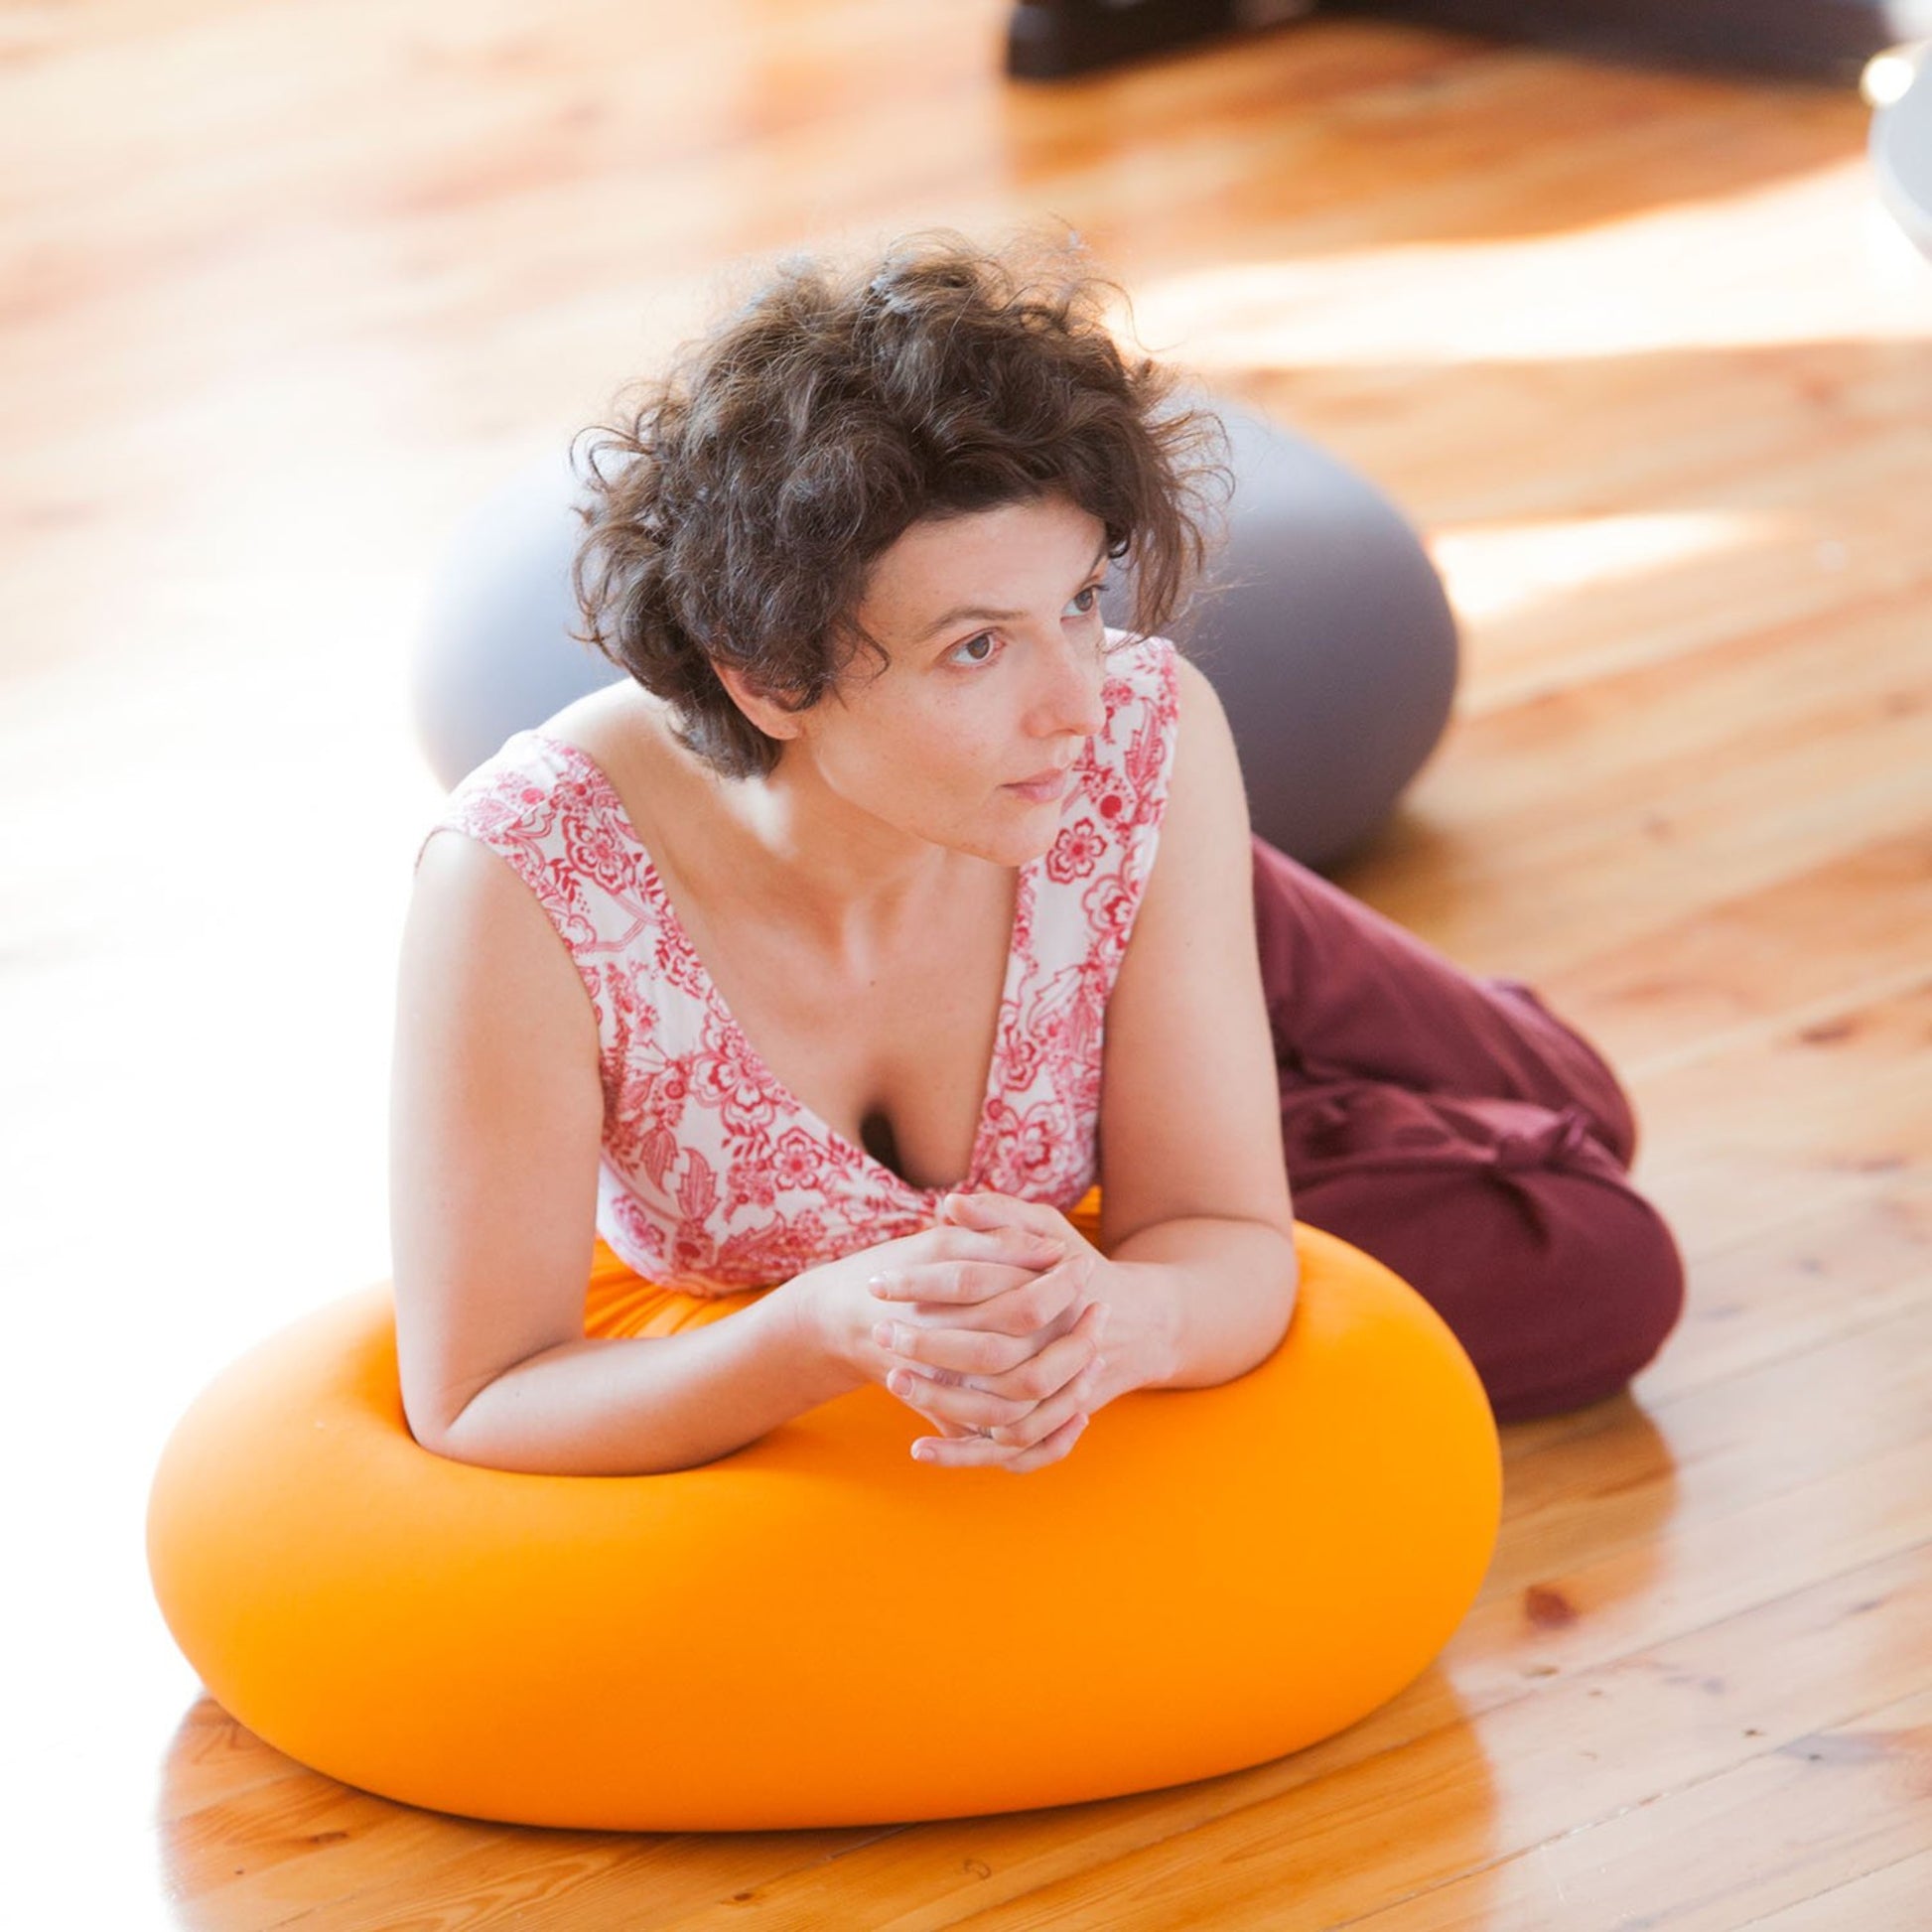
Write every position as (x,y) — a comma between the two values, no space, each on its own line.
(478,885)
(626,732)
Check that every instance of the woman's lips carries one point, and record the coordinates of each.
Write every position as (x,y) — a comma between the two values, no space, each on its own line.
(1042,789)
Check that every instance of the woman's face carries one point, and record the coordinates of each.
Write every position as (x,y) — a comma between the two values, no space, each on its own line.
(993,621)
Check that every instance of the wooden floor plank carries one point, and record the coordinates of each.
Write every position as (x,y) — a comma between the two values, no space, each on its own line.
(1890,1898)
(1801,951)
(284,292)
(1806,1818)
(1725,793)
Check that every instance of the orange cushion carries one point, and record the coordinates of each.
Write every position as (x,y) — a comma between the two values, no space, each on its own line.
(815,1630)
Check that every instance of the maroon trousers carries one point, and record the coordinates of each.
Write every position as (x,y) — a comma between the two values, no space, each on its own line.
(1457,1131)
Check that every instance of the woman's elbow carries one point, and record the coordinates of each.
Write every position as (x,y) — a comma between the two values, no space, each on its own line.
(431,1428)
(1287,1294)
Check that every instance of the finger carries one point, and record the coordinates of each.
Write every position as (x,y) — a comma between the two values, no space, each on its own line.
(985,1294)
(977,1452)
(1075,1399)
(1016,1248)
(1055,1448)
(1032,1309)
(986,1207)
(948,1401)
(946,1427)
(1013,1422)
(952,1402)
(986,1337)
(999,1346)
(1018,1368)
(1056,1365)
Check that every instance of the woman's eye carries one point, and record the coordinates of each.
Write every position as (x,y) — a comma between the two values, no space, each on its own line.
(986,636)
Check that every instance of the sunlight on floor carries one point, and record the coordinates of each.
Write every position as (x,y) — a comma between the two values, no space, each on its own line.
(1494,569)
(1691,275)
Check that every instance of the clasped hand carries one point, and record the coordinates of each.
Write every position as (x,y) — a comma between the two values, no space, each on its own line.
(987,1323)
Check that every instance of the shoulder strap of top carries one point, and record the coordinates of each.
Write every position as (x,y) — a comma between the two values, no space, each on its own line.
(1105,847)
(542,812)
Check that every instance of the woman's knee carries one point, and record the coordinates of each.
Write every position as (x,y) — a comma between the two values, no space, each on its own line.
(1560,1284)
(1608,1305)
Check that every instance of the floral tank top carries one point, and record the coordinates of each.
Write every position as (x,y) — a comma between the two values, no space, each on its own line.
(712,1176)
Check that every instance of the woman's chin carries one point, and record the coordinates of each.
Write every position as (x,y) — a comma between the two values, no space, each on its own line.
(1037,846)
(1014,833)
(1011,848)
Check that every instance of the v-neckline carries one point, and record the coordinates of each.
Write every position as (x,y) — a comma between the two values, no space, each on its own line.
(654,889)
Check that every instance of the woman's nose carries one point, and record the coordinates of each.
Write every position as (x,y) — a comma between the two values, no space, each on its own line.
(1072,700)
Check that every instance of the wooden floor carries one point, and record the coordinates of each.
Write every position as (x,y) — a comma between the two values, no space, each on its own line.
(285,289)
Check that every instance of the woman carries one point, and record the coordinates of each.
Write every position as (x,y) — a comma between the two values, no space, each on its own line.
(786,961)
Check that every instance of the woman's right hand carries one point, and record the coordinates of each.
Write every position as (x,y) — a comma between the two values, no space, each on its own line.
(1045,1318)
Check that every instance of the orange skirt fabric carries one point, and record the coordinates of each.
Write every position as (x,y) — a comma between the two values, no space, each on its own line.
(620,1302)
(1211,1579)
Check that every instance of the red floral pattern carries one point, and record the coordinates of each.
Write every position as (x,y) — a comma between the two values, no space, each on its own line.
(711,1175)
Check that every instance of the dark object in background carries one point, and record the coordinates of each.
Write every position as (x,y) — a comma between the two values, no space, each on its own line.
(1820,40)
(1047,38)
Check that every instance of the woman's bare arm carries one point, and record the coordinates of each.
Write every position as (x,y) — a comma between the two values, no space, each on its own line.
(643,1405)
(497,1116)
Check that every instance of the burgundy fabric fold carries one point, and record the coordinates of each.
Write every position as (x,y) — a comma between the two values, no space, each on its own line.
(1458,1129)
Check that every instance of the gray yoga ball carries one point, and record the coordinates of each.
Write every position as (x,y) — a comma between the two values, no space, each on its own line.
(1333,649)
(1900,147)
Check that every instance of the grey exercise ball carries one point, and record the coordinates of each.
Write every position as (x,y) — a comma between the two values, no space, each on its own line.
(1334,650)
(1900,145)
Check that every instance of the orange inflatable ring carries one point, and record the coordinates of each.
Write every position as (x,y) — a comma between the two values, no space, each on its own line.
(815,1630)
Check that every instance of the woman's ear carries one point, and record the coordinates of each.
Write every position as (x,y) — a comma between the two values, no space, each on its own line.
(770,718)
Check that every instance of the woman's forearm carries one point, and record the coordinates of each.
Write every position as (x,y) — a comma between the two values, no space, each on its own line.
(1193,1303)
(647,1403)
(1204,1300)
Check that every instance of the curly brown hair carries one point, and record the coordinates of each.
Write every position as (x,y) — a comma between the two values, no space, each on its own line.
(738,505)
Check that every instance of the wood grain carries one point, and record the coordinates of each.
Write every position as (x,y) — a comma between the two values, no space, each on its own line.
(285,288)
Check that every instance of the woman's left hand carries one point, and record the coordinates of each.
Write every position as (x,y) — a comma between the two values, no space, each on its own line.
(941,1342)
